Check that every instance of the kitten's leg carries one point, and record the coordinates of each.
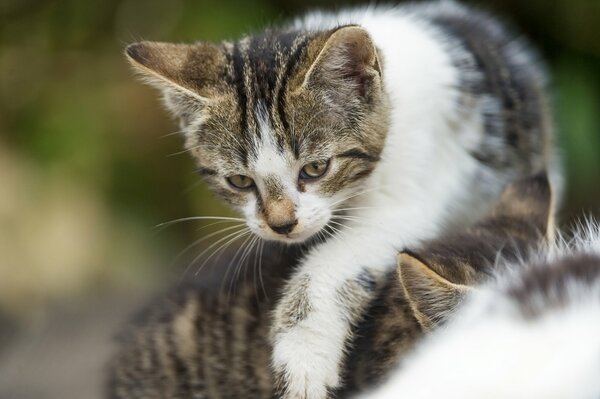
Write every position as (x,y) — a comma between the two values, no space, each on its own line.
(327,295)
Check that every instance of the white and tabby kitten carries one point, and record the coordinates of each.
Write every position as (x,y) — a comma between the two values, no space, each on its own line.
(532,333)
(195,343)
(380,125)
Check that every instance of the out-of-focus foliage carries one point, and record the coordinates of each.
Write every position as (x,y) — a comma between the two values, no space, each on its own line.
(88,166)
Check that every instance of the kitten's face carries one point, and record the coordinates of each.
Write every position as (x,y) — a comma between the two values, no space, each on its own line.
(284,127)
(286,184)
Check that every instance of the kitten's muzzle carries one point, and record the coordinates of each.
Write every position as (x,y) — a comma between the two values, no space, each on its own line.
(279,213)
(284,228)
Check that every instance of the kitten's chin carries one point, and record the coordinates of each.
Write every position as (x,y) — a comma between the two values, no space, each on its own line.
(291,238)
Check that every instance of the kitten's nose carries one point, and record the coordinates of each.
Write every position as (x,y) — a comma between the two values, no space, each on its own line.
(284,228)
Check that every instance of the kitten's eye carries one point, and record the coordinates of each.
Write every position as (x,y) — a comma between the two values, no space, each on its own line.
(240,181)
(314,169)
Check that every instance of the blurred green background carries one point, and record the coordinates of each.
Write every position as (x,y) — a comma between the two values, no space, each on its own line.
(88,168)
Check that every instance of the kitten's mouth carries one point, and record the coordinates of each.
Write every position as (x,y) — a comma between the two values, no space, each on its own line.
(296,236)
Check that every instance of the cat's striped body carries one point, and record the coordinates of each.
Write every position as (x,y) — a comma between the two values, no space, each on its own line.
(198,342)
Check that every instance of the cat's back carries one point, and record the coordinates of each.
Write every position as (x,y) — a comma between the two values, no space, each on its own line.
(449,67)
(533,333)
(207,337)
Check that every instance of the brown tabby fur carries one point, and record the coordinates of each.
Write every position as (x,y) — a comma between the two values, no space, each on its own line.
(198,344)
(216,89)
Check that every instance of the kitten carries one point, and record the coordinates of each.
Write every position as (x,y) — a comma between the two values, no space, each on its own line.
(532,333)
(196,343)
(380,126)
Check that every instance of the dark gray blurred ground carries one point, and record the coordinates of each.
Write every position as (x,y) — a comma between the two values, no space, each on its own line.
(64,355)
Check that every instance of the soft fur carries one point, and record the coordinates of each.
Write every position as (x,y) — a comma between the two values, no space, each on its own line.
(197,343)
(424,112)
(531,333)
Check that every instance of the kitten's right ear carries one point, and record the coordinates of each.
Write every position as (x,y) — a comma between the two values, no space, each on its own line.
(347,66)
(187,75)
(431,296)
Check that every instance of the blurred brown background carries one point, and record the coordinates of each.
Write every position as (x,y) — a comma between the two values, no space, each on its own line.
(87,168)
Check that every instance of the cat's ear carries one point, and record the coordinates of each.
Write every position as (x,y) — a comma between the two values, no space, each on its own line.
(431,297)
(188,75)
(529,201)
(347,66)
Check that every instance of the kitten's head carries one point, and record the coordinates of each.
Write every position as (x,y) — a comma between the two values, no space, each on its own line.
(436,277)
(284,125)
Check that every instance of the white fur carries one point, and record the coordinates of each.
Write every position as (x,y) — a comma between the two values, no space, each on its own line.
(417,189)
(490,351)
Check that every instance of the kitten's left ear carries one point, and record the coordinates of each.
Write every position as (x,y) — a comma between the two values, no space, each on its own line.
(431,296)
(347,64)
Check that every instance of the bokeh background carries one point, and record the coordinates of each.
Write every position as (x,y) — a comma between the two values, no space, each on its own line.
(88,166)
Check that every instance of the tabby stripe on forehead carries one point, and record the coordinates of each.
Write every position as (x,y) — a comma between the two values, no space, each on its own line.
(263,64)
(238,80)
(290,67)
(254,55)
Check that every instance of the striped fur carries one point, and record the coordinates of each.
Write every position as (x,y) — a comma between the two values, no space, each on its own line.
(530,332)
(254,87)
(198,344)
(422,113)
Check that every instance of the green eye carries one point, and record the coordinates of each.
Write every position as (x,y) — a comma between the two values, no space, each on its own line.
(314,169)
(240,181)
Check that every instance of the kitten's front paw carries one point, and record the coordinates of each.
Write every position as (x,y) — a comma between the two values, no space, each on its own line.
(304,365)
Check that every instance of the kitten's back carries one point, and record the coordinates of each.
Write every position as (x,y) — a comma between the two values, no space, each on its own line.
(203,339)
(534,334)
(499,76)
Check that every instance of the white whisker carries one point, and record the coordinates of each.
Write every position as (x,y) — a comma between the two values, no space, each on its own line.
(353,195)
(235,235)
(353,209)
(235,264)
(196,242)
(232,219)
(241,264)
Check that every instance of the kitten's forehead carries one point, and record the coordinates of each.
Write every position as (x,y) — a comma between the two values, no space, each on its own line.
(257,113)
(269,158)
(262,67)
